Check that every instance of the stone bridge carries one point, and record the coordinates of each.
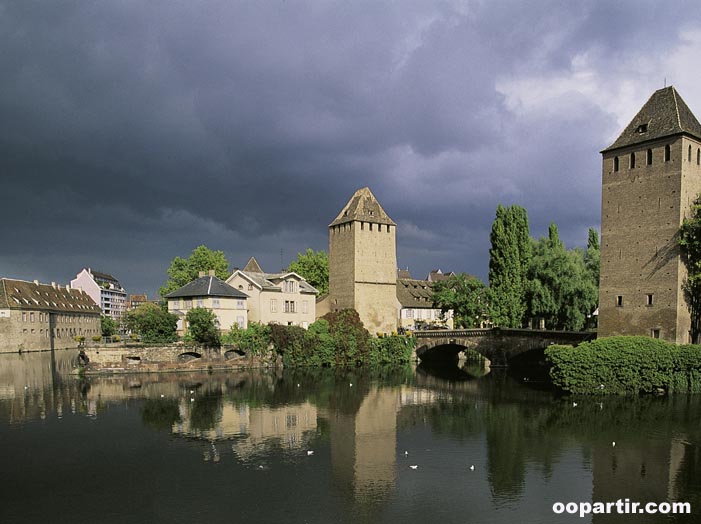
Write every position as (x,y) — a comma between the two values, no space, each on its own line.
(498,345)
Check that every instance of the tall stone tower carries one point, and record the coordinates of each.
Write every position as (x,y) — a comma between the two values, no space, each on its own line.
(363,262)
(651,175)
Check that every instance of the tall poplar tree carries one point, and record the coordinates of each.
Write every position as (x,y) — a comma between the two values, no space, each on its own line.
(509,258)
(690,243)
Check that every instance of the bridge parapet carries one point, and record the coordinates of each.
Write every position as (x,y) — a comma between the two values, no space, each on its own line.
(496,344)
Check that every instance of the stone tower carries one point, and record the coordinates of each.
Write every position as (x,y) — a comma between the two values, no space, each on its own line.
(363,262)
(651,175)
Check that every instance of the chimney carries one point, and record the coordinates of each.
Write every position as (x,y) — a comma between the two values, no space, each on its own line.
(201,274)
(212,273)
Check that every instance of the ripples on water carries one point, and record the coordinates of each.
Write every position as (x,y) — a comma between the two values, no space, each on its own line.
(324,446)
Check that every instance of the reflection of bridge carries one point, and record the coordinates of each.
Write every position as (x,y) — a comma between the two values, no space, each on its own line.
(498,345)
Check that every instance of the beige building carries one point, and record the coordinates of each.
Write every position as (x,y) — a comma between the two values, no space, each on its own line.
(36,317)
(278,298)
(417,311)
(651,175)
(363,263)
(209,292)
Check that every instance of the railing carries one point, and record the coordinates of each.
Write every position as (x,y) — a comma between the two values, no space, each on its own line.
(455,333)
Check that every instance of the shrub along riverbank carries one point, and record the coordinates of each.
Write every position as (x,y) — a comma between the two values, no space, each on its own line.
(337,339)
(626,365)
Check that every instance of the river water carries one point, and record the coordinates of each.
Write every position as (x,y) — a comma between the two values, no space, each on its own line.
(323,447)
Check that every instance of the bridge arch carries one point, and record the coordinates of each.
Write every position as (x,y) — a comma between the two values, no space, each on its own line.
(189,356)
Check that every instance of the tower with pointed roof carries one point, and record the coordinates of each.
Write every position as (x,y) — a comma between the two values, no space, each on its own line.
(650,176)
(363,262)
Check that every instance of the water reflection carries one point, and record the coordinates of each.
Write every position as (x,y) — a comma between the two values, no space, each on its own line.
(351,437)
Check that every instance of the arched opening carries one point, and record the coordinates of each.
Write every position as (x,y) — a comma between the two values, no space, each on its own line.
(632,160)
(615,164)
(188,356)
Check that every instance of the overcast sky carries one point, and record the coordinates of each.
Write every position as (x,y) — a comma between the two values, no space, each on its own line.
(133,131)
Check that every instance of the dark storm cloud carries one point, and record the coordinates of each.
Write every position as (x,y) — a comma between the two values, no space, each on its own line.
(132,132)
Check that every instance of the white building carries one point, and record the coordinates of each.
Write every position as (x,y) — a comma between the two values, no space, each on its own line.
(104,289)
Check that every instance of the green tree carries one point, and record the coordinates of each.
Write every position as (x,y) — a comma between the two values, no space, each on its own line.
(560,288)
(108,326)
(184,270)
(314,268)
(152,323)
(690,244)
(465,295)
(509,258)
(202,326)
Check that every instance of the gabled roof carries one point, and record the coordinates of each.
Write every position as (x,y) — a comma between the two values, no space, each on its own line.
(664,114)
(415,294)
(363,207)
(208,286)
(436,275)
(20,294)
(252,266)
(269,281)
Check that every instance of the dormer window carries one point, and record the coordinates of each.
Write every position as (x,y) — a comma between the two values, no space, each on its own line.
(642,128)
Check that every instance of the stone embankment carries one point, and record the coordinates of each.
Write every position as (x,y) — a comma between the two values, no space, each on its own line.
(157,359)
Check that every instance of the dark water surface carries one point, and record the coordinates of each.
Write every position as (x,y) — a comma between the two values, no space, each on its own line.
(323,447)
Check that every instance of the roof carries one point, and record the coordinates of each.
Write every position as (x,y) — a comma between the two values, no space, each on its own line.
(252,266)
(208,286)
(415,294)
(271,281)
(437,275)
(403,273)
(363,207)
(664,114)
(20,294)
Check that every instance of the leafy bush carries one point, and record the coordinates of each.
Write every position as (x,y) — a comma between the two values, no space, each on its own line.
(625,365)
(152,323)
(391,350)
(116,338)
(254,340)
(96,338)
(202,325)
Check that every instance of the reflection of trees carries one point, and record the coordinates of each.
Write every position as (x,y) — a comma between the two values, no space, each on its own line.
(205,411)
(160,414)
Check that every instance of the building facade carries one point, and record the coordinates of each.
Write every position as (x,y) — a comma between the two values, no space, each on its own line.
(417,311)
(104,289)
(209,292)
(279,298)
(37,317)
(651,174)
(363,263)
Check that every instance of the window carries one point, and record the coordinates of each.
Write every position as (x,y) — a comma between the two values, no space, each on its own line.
(240,304)
(289,306)
(689,153)
(250,287)
(649,157)
(176,303)
(698,157)
(642,128)
(200,302)
(305,306)
(615,164)
(289,286)
(31,316)
(273,305)
(632,160)
(24,316)
(370,226)
(667,153)
(241,322)
(619,301)
(649,298)
(362,226)
(655,333)
(215,303)
(187,304)
(409,313)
